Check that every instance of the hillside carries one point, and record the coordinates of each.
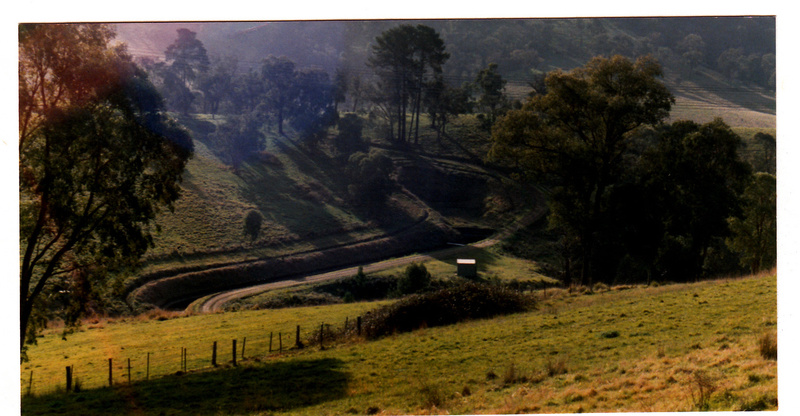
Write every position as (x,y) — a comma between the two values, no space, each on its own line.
(661,348)
(301,192)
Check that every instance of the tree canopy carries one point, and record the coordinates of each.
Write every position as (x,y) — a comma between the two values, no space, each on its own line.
(98,159)
(402,57)
(577,135)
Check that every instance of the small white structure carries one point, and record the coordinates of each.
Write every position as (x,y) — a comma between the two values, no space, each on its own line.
(467,268)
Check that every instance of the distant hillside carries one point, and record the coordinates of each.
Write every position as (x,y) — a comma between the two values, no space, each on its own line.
(691,50)
(521,47)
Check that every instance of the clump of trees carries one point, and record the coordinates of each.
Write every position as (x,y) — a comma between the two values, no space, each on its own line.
(631,197)
(408,61)
(278,94)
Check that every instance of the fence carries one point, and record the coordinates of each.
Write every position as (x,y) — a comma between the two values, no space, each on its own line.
(146,365)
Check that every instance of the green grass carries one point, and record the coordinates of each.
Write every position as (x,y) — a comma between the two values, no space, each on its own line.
(553,360)
(493,265)
(297,194)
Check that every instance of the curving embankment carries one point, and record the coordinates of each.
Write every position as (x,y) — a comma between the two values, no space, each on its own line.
(181,289)
(217,301)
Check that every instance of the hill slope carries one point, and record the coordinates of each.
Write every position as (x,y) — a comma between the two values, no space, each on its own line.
(631,348)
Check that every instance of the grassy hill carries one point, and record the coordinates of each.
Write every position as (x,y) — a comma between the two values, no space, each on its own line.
(700,346)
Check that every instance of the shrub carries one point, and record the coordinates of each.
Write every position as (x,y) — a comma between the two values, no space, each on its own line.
(252,224)
(702,387)
(554,367)
(415,279)
(768,346)
(444,307)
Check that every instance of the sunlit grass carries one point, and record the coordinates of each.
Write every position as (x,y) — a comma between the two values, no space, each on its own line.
(553,360)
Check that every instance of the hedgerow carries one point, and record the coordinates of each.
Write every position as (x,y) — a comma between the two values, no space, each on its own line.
(447,306)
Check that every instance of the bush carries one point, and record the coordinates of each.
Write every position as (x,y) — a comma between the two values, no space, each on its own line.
(768,346)
(415,279)
(445,307)
(252,224)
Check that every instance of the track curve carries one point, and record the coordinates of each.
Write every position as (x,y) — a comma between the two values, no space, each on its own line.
(217,301)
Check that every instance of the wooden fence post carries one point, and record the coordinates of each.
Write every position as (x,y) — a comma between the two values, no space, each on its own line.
(270,342)
(148,367)
(244,344)
(129,371)
(297,342)
(234,353)
(69,378)
(321,332)
(214,354)
(30,384)
(110,373)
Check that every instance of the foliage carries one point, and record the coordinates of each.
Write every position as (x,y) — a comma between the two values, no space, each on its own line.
(350,137)
(252,224)
(369,178)
(692,182)
(578,134)
(491,100)
(467,301)
(217,84)
(98,159)
(313,110)
(304,97)
(415,279)
(755,234)
(765,163)
(238,138)
(401,57)
(187,56)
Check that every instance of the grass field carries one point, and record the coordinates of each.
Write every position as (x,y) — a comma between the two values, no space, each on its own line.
(634,348)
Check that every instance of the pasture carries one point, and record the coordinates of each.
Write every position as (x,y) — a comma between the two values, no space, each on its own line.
(632,348)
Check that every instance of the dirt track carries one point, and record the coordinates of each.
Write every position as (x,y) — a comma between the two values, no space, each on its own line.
(215,302)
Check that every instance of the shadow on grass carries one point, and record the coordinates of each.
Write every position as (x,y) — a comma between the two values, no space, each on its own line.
(260,387)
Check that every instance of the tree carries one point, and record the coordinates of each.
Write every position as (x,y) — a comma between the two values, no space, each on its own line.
(754,235)
(402,57)
(369,177)
(492,99)
(416,278)
(730,62)
(217,84)
(187,56)
(247,91)
(443,101)
(98,159)
(252,224)
(238,138)
(578,134)
(695,178)
(350,137)
(278,75)
(692,49)
(767,144)
(312,109)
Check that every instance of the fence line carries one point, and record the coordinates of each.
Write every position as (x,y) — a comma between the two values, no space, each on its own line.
(169,360)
